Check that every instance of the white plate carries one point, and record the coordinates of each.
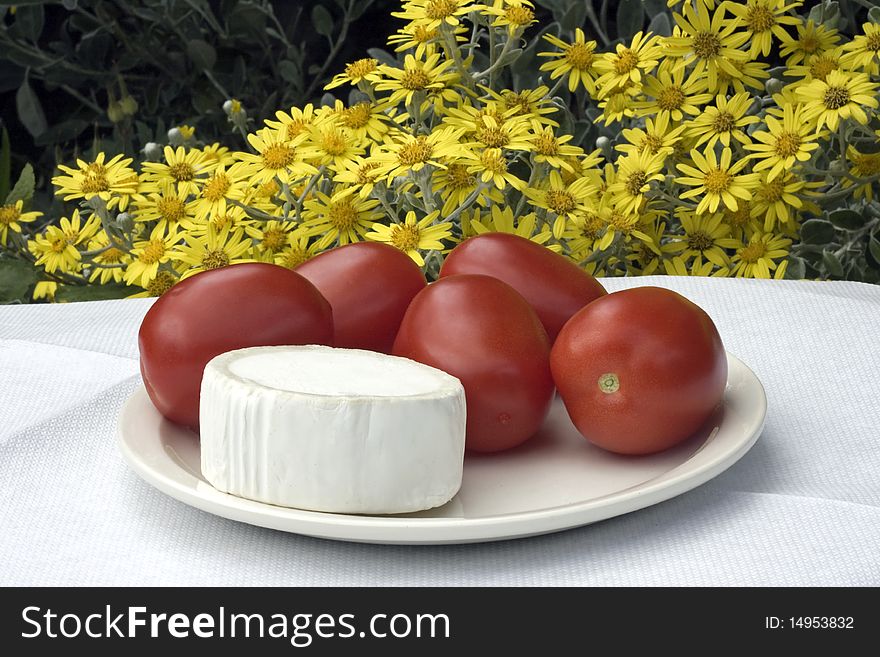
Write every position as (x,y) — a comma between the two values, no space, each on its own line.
(555,481)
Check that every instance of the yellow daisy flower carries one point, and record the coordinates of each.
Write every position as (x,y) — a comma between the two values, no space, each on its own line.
(113,181)
(365,121)
(840,96)
(213,250)
(456,183)
(12,215)
(811,40)
(762,20)
(109,263)
(784,143)
(169,206)
(361,173)
(271,238)
(552,149)
(577,60)
(55,250)
(298,249)
(413,236)
(415,76)
(678,267)
(45,290)
(294,123)
(163,281)
(582,234)
(413,153)
(760,256)
(628,63)
(343,217)
(515,15)
(657,137)
(361,70)
(418,38)
(532,104)
(491,166)
(223,186)
(561,200)
(706,237)
(502,221)
(149,254)
(863,52)
(433,14)
(776,202)
(726,119)
(818,66)
(618,105)
(330,143)
(716,181)
(217,155)
(276,157)
(750,75)
(184,168)
(669,94)
(710,42)
(862,165)
(634,175)
(234,218)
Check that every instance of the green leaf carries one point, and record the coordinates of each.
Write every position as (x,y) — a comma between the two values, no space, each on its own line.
(20,3)
(30,111)
(832,264)
(288,71)
(94,292)
(574,17)
(874,14)
(383,56)
(630,17)
(5,164)
(59,133)
(874,252)
(202,54)
(660,25)
(817,231)
(30,19)
(654,7)
(847,219)
(24,188)
(796,269)
(322,20)
(16,279)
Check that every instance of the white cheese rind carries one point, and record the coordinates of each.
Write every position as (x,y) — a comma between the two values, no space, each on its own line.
(340,453)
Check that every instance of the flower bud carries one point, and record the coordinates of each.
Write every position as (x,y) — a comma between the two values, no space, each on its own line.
(124,221)
(175,137)
(128,105)
(152,151)
(773,86)
(114,112)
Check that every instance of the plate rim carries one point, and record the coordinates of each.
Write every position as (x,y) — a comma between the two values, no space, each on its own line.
(435,531)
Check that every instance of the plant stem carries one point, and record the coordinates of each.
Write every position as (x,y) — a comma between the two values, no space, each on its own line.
(591,15)
(343,33)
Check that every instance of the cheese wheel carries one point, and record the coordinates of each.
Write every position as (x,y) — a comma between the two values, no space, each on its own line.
(329,429)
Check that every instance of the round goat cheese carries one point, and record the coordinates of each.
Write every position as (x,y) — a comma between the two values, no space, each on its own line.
(328,429)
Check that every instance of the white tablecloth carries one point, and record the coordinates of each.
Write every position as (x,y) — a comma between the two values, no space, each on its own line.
(801,508)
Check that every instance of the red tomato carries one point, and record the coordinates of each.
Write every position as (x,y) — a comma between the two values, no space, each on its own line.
(483,332)
(369,286)
(245,305)
(554,286)
(639,370)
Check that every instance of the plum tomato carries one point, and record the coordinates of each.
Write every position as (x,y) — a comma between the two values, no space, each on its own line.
(369,286)
(639,370)
(243,305)
(480,330)
(554,286)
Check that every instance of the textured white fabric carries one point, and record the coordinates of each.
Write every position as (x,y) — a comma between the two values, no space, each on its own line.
(800,509)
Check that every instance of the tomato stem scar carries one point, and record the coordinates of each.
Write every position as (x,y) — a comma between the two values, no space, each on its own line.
(609,383)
